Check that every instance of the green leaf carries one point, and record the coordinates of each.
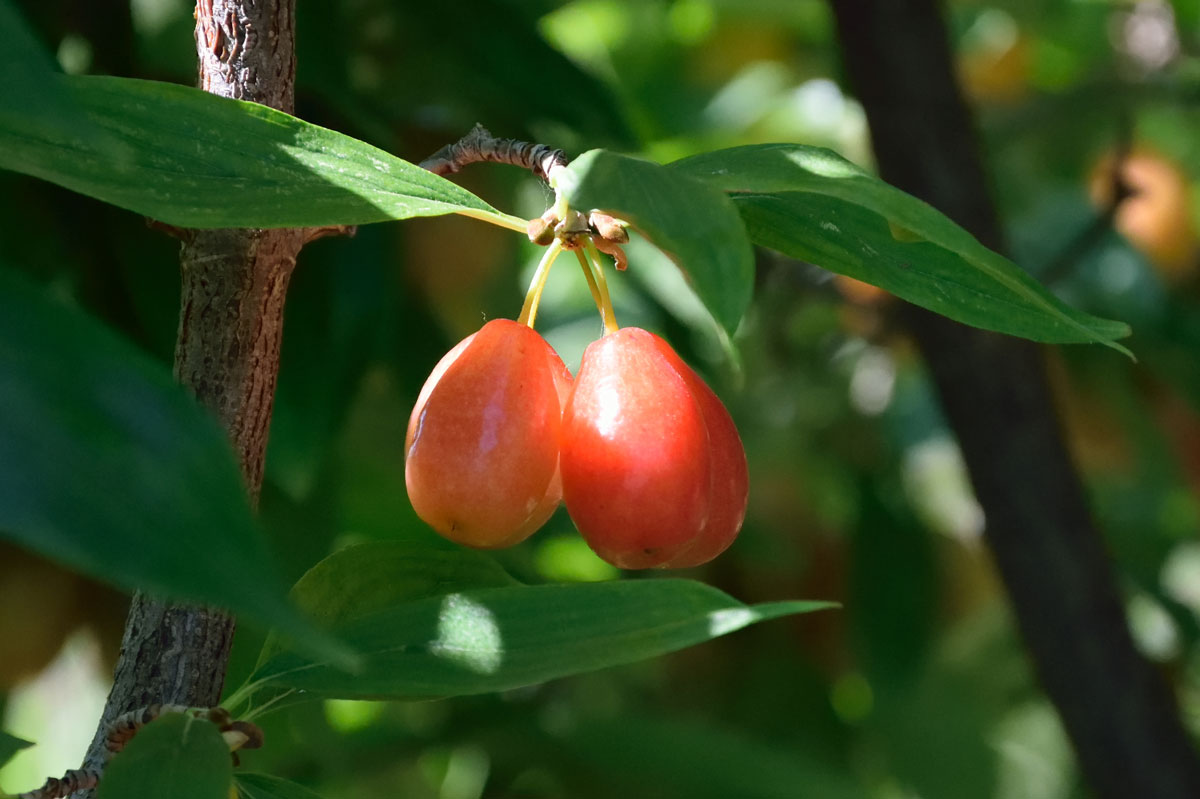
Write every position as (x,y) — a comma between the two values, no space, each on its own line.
(810,203)
(264,786)
(363,578)
(10,745)
(492,639)
(503,71)
(695,225)
(110,467)
(175,755)
(189,158)
(33,92)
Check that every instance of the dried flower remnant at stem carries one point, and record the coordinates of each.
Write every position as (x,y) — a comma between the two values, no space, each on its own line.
(479,145)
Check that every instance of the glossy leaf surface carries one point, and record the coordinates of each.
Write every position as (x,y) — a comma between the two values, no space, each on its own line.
(812,204)
(192,159)
(493,639)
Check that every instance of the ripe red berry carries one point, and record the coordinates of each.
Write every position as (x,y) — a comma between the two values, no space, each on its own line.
(654,473)
(481,456)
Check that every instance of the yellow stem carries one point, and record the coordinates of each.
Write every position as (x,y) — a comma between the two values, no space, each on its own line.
(496,218)
(534,296)
(591,281)
(606,306)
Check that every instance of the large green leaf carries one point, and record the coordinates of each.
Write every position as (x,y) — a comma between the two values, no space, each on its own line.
(10,745)
(492,639)
(363,578)
(695,225)
(191,159)
(264,786)
(175,755)
(110,467)
(810,203)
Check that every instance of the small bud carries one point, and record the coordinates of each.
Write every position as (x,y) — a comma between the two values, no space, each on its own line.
(540,231)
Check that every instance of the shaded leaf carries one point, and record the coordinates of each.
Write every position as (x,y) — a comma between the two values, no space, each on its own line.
(33,93)
(175,755)
(695,759)
(695,225)
(493,639)
(336,312)
(192,159)
(110,467)
(10,745)
(810,203)
(264,786)
(503,73)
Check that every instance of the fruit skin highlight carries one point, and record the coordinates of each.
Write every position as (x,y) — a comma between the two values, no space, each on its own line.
(654,473)
(481,454)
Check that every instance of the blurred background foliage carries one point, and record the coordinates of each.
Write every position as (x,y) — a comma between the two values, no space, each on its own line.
(1090,115)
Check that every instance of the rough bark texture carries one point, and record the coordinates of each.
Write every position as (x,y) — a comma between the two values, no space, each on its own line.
(1122,719)
(231,322)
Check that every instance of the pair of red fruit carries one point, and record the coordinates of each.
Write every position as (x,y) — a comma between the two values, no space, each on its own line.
(644,455)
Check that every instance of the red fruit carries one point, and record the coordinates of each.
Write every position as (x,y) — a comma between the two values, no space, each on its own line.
(481,456)
(654,473)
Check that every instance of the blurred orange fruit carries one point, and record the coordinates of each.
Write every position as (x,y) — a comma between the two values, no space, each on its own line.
(1157,216)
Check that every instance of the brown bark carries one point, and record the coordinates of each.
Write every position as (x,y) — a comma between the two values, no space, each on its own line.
(227,353)
(1119,714)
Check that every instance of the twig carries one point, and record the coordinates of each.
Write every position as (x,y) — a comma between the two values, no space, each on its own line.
(1091,234)
(607,232)
(311,234)
(77,779)
(174,652)
(237,735)
(480,145)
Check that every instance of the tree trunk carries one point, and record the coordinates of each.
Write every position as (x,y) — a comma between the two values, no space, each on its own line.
(1119,714)
(227,353)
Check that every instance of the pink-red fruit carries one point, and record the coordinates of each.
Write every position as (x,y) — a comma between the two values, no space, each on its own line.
(481,456)
(653,470)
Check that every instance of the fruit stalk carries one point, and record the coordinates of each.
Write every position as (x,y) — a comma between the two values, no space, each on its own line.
(533,297)
(606,306)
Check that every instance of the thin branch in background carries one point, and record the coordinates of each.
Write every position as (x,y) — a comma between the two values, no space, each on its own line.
(1119,713)
(479,145)
(1087,238)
